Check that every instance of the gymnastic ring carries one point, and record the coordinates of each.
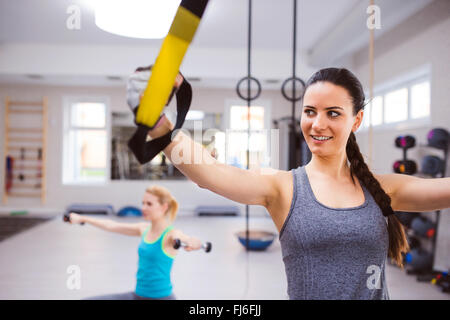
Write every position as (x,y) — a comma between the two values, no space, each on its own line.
(258,92)
(283,91)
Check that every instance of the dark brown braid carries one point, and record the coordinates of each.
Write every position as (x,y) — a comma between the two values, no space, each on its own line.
(398,243)
(397,238)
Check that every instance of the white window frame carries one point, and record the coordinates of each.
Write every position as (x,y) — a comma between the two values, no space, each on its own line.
(422,74)
(265,103)
(68,101)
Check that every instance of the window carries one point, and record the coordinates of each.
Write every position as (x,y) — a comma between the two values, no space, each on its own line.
(396,106)
(401,102)
(85,141)
(236,138)
(420,100)
(376,107)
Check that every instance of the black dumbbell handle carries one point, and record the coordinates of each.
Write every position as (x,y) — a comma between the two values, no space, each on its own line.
(207,246)
(177,244)
(66,218)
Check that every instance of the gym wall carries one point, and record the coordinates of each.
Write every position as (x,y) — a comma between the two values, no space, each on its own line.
(419,40)
(117,193)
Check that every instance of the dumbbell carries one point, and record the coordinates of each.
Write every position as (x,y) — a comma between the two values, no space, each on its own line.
(438,138)
(66,217)
(419,259)
(443,281)
(423,227)
(441,277)
(405,142)
(432,165)
(207,246)
(405,167)
(414,242)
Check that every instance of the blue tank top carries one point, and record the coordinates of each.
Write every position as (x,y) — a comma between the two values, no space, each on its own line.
(333,253)
(154,266)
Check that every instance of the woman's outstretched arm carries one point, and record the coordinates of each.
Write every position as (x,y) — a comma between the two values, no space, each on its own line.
(192,243)
(414,194)
(129,229)
(255,187)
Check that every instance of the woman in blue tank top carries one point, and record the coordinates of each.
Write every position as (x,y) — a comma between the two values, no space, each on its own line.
(335,217)
(156,252)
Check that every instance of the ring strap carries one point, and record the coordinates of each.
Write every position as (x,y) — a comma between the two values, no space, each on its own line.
(169,59)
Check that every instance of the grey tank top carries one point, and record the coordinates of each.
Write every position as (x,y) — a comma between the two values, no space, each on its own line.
(333,253)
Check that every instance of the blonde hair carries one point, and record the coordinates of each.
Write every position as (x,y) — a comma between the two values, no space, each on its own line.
(164,196)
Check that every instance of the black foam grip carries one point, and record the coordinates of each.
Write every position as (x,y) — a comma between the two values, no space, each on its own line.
(197,7)
(144,150)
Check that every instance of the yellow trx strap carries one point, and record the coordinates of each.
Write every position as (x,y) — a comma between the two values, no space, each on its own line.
(169,59)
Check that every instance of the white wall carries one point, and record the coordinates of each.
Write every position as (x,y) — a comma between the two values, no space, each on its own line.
(421,39)
(117,193)
(94,62)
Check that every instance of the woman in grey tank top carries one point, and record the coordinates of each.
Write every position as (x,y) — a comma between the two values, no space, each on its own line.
(335,217)
(333,253)
(337,252)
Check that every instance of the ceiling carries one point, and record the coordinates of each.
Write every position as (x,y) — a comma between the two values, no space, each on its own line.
(224,24)
(35,31)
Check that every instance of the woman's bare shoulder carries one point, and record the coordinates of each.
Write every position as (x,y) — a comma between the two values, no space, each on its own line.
(174,233)
(279,180)
(143,226)
(388,182)
(282,177)
(280,203)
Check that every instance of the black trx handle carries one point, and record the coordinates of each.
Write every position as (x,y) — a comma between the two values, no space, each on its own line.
(144,150)
(66,218)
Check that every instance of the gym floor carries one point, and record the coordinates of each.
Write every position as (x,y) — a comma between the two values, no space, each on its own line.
(34,264)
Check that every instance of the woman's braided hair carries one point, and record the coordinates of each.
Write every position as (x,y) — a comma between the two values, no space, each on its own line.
(398,243)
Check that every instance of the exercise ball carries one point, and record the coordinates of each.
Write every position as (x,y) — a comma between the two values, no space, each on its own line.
(129,211)
(257,240)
